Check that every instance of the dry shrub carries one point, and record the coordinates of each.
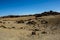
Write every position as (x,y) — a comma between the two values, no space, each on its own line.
(36,30)
(44,22)
(0,21)
(21,27)
(20,21)
(13,27)
(33,33)
(2,26)
(31,23)
(44,32)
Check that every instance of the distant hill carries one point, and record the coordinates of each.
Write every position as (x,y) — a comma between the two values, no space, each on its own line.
(47,13)
(36,15)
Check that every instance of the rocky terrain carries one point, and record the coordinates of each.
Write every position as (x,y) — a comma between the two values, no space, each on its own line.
(44,26)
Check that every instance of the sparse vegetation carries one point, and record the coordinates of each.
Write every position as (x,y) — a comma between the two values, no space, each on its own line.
(47,13)
(21,27)
(20,21)
(13,27)
(33,33)
(44,22)
(36,30)
(44,32)
(31,23)
(2,26)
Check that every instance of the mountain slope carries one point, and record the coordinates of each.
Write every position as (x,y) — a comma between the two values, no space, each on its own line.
(45,26)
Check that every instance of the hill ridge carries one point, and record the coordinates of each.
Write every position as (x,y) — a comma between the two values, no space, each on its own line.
(36,15)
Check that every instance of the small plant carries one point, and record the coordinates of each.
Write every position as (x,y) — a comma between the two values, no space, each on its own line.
(2,26)
(21,27)
(13,27)
(31,23)
(0,21)
(44,32)
(21,21)
(44,22)
(33,33)
(9,28)
(36,30)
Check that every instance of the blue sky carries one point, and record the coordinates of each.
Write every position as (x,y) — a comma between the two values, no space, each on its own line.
(23,7)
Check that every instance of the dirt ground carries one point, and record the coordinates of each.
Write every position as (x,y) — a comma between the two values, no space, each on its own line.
(30,28)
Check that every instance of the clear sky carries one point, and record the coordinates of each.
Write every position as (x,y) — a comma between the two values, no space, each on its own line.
(22,7)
